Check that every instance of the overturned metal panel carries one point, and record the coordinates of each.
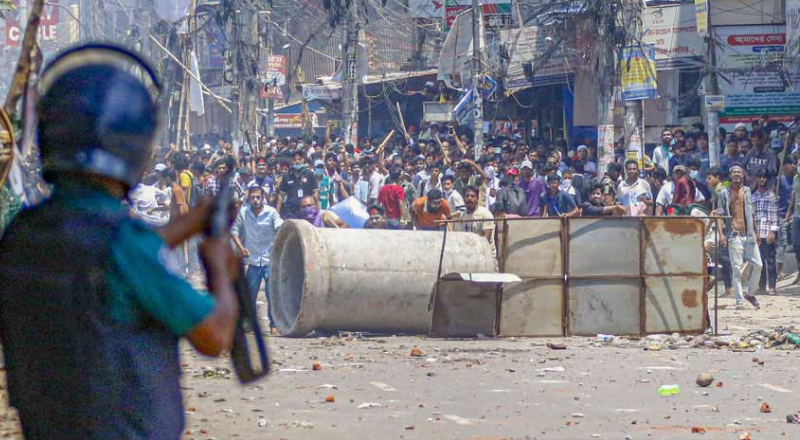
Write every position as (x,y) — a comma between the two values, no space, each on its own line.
(607,305)
(533,249)
(604,247)
(673,246)
(532,308)
(675,304)
(464,308)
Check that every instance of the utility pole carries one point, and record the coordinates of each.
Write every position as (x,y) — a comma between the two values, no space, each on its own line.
(634,111)
(607,79)
(270,100)
(477,78)
(350,74)
(711,86)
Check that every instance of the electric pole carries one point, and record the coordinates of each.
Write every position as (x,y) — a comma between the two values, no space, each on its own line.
(634,112)
(477,78)
(607,79)
(711,87)
(350,74)
(270,100)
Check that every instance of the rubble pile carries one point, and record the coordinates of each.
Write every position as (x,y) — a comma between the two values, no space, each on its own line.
(780,338)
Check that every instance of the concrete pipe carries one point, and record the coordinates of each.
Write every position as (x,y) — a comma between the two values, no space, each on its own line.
(362,279)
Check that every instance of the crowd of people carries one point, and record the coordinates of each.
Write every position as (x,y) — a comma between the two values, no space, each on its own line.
(420,178)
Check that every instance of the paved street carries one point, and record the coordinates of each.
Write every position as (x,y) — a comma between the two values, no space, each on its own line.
(491,389)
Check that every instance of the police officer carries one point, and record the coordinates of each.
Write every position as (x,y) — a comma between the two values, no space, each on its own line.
(90,318)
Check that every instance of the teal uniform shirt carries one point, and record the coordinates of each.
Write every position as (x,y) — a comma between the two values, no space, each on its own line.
(141,285)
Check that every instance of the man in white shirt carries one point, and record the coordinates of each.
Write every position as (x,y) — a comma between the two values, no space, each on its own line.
(253,232)
(376,180)
(634,193)
(483,223)
(149,204)
(454,198)
(663,152)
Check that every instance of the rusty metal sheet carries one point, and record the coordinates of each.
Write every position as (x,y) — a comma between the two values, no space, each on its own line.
(674,246)
(464,309)
(532,308)
(608,305)
(603,247)
(534,249)
(675,304)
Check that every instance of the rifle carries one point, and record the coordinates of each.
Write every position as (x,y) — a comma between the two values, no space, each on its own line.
(248,331)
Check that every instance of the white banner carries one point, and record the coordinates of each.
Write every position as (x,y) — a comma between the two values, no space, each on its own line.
(324,93)
(753,60)
(673,32)
(527,45)
(172,10)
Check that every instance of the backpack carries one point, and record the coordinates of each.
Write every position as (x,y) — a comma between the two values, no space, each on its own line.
(194,191)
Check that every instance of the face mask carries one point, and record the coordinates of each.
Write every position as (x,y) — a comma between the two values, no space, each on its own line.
(693,174)
(566,183)
(319,172)
(311,212)
(299,166)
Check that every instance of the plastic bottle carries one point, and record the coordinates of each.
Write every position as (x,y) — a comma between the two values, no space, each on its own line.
(669,390)
(793,338)
(605,338)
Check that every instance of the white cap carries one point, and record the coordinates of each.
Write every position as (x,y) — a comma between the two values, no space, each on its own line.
(583,147)
(526,164)
(160,167)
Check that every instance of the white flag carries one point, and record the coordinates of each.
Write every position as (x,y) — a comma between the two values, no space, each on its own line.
(172,10)
(196,103)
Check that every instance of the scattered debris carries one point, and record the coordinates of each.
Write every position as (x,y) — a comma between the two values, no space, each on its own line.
(765,408)
(704,379)
(745,436)
(577,415)
(316,367)
(698,430)
(367,405)
(718,385)
(669,390)
(416,352)
(793,418)
(410,428)
(556,345)
(330,399)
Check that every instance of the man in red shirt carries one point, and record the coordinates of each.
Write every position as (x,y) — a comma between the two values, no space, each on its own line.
(392,196)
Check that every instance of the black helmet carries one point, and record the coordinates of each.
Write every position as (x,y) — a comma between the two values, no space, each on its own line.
(98,113)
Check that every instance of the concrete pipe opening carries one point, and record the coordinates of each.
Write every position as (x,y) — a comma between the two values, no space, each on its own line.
(288,277)
(361,279)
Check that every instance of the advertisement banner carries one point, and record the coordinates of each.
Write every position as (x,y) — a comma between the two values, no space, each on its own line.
(605,147)
(496,13)
(324,93)
(701,16)
(639,73)
(48,26)
(293,120)
(275,78)
(672,30)
(757,84)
